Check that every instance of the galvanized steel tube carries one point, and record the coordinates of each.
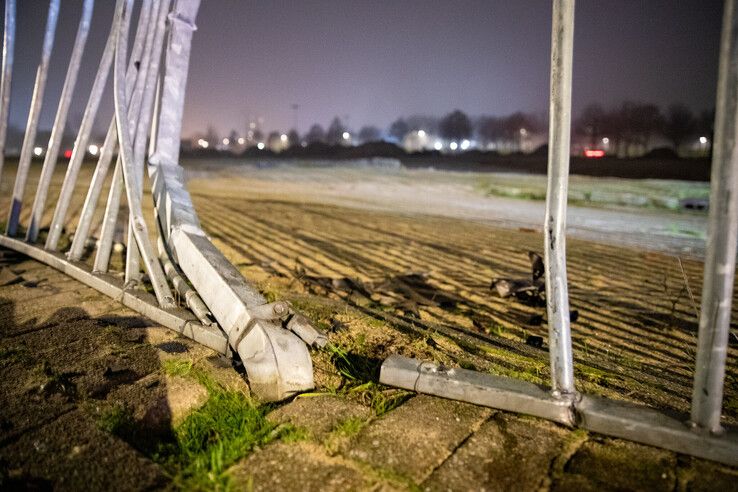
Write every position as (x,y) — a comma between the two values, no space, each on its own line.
(557,294)
(83,137)
(32,125)
(151,263)
(7,75)
(60,121)
(717,293)
(111,139)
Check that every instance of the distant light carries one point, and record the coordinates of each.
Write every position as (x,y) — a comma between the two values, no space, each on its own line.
(37,151)
(203,143)
(68,154)
(252,125)
(226,141)
(438,145)
(703,140)
(465,144)
(283,137)
(594,153)
(421,133)
(241,140)
(453,146)
(260,146)
(303,144)
(93,149)
(346,135)
(605,140)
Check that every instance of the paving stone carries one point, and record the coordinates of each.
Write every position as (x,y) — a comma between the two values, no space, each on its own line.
(507,453)
(71,453)
(300,466)
(617,464)
(705,476)
(319,415)
(415,438)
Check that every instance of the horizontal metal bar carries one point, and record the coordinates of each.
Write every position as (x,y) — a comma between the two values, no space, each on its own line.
(649,426)
(475,387)
(613,418)
(179,320)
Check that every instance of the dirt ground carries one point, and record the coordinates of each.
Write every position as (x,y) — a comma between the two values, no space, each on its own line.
(90,390)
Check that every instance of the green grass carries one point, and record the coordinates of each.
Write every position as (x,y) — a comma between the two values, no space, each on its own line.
(116,419)
(343,431)
(225,429)
(212,438)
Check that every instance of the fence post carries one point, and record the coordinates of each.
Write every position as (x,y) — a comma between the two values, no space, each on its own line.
(717,292)
(557,294)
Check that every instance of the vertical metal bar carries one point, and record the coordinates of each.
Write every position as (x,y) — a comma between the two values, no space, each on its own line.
(717,293)
(30,138)
(140,230)
(105,246)
(174,83)
(83,137)
(141,125)
(111,139)
(557,294)
(134,92)
(57,131)
(7,74)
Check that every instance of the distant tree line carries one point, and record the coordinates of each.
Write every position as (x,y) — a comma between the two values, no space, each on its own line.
(628,129)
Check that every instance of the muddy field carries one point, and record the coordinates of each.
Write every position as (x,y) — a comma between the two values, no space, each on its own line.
(383,282)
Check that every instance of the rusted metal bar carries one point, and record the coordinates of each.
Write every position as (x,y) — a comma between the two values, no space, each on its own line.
(717,293)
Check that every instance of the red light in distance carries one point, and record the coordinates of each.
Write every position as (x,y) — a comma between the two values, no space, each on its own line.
(68,154)
(594,153)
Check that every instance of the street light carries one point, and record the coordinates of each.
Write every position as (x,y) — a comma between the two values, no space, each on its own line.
(283,138)
(260,146)
(605,140)
(438,145)
(453,146)
(703,140)
(346,135)
(93,149)
(241,140)
(465,144)
(421,133)
(37,151)
(226,141)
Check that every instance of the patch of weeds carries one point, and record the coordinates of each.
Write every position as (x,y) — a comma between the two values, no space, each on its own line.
(467,364)
(290,433)
(117,420)
(212,438)
(10,355)
(178,367)
(596,376)
(360,375)
(343,431)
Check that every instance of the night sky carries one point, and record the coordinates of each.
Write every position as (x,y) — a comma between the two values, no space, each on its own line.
(372,61)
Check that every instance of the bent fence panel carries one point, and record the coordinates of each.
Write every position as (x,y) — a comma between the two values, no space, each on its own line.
(223,311)
(219,309)
(701,435)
